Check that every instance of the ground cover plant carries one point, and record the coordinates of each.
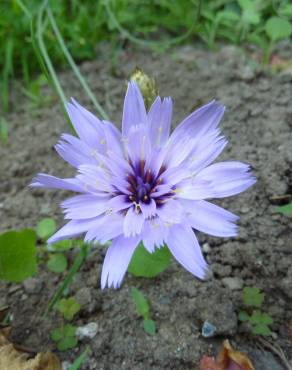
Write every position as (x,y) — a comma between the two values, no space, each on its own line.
(70,307)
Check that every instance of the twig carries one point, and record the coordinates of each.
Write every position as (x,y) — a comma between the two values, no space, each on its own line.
(277,350)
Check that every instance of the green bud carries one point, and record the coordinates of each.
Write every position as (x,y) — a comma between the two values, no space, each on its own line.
(147,86)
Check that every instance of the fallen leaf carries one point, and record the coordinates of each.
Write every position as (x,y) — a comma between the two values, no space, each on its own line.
(227,359)
(10,358)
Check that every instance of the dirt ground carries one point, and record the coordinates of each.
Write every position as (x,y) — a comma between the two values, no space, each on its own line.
(258,123)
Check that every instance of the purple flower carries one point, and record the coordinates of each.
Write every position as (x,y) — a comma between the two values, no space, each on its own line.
(143,184)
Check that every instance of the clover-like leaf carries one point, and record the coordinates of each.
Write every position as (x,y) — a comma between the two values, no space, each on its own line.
(259,317)
(253,297)
(68,307)
(261,329)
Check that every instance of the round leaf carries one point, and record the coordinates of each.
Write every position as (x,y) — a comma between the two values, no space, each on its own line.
(67,343)
(145,264)
(17,255)
(45,228)
(278,28)
(57,263)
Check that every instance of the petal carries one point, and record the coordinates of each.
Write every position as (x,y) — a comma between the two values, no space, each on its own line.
(105,228)
(170,212)
(139,145)
(210,219)
(85,206)
(72,228)
(94,178)
(88,127)
(48,181)
(227,178)
(159,118)
(74,151)
(189,132)
(148,210)
(184,246)
(154,234)
(134,109)
(119,203)
(199,122)
(206,151)
(133,222)
(116,262)
(195,189)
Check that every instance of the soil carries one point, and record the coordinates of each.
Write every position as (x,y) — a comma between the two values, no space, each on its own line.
(258,123)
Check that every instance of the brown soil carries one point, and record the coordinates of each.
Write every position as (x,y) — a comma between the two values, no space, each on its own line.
(258,122)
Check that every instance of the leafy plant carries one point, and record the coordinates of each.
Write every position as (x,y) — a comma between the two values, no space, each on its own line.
(18,255)
(46,228)
(143,309)
(145,264)
(285,210)
(253,297)
(57,262)
(68,307)
(65,337)
(258,320)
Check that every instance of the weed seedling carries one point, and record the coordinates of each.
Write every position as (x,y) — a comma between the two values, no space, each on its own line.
(259,321)
(65,336)
(143,309)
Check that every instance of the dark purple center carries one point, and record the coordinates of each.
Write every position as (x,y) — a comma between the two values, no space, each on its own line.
(143,184)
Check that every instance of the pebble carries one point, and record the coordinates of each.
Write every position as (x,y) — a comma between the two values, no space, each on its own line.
(87,331)
(206,248)
(208,329)
(233,283)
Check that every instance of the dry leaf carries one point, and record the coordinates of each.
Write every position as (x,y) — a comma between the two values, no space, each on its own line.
(11,359)
(227,359)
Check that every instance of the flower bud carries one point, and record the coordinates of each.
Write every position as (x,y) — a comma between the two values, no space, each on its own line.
(147,86)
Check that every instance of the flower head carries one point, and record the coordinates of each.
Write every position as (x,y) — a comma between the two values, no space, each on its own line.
(143,184)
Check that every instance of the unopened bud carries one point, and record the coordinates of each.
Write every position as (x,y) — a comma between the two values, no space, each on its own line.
(147,86)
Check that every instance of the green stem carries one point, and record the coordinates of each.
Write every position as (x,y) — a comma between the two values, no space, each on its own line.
(74,66)
(79,259)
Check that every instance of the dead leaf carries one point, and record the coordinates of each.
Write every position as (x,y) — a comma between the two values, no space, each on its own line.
(227,359)
(10,358)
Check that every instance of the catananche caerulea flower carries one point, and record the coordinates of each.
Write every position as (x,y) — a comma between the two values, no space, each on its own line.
(143,184)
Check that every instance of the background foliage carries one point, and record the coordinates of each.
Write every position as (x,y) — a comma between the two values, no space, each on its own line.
(83,24)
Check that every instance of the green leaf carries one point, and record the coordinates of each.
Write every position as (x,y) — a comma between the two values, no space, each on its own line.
(18,255)
(62,245)
(57,334)
(253,297)
(243,316)
(259,317)
(261,329)
(68,307)
(149,326)
(69,330)
(46,228)
(278,28)
(141,303)
(145,264)
(285,210)
(250,13)
(57,263)
(79,360)
(3,130)
(67,343)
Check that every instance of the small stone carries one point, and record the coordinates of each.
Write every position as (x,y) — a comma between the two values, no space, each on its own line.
(206,248)
(233,283)
(32,286)
(208,329)
(245,209)
(87,331)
